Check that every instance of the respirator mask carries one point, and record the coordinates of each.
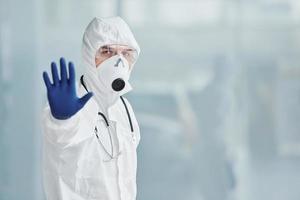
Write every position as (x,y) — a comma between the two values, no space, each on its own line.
(113,75)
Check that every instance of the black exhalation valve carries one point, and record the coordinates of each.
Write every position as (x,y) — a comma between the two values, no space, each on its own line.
(118,84)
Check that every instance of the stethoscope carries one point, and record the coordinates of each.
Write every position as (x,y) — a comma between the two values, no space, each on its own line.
(111,156)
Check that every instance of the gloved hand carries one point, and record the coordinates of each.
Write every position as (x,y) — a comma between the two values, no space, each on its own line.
(62,97)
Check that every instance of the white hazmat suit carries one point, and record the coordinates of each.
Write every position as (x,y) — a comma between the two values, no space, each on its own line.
(88,156)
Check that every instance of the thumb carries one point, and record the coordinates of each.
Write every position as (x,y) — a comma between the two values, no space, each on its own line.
(83,100)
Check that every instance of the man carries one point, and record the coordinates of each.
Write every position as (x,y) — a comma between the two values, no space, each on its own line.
(90,142)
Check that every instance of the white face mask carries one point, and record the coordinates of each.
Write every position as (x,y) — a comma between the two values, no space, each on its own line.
(113,75)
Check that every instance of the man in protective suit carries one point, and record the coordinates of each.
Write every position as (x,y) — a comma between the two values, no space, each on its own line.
(89,143)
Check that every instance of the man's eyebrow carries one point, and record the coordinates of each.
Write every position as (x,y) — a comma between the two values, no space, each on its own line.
(104,47)
(129,49)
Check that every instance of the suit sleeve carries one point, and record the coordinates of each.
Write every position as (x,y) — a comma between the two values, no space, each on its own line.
(59,132)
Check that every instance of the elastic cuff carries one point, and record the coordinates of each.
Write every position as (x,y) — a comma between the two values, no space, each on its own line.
(65,122)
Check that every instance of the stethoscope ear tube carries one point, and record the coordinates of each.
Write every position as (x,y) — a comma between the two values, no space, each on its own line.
(128,114)
(99,113)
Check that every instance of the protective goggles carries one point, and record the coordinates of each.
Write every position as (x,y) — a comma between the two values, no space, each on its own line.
(108,51)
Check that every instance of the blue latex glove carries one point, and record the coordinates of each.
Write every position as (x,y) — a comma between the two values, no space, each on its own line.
(62,97)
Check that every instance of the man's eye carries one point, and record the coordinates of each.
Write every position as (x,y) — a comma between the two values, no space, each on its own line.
(105,52)
(126,54)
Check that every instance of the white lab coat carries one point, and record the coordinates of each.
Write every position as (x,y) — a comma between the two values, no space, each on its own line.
(75,165)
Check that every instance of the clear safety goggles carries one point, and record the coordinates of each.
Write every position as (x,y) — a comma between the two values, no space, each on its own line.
(108,51)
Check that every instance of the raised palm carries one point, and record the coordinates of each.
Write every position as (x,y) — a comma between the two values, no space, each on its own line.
(61,94)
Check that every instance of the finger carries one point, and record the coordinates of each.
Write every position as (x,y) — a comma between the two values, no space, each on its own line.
(71,73)
(54,74)
(63,71)
(83,100)
(46,80)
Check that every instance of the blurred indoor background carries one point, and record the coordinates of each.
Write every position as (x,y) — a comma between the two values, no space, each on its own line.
(216,92)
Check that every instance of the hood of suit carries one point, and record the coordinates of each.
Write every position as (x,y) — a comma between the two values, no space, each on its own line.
(101,32)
